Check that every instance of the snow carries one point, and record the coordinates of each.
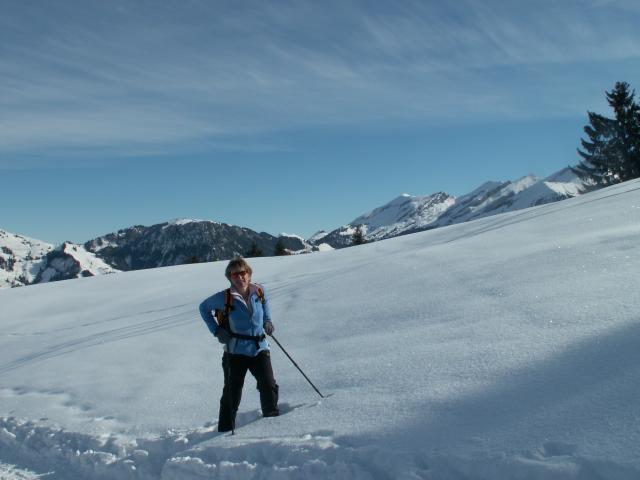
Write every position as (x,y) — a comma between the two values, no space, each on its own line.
(291,235)
(79,259)
(11,472)
(401,214)
(184,221)
(562,184)
(506,347)
(88,260)
(406,213)
(319,234)
(102,244)
(494,197)
(325,247)
(20,258)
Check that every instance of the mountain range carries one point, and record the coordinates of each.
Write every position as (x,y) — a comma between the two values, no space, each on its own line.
(409,214)
(25,261)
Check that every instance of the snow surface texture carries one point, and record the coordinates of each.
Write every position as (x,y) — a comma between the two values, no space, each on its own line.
(507,347)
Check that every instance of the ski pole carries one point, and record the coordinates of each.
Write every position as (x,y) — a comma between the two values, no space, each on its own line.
(296,365)
(230,392)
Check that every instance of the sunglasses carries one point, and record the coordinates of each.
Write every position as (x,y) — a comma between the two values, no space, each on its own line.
(240,273)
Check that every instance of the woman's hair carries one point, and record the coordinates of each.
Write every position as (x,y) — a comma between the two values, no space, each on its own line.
(236,263)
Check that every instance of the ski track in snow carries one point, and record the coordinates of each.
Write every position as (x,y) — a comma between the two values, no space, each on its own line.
(103,337)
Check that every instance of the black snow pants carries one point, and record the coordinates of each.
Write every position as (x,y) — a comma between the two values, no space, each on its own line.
(235,369)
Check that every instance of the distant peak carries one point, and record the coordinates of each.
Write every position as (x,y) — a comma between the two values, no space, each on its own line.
(290,235)
(400,199)
(527,178)
(183,221)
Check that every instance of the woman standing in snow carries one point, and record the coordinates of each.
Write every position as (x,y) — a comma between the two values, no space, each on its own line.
(239,318)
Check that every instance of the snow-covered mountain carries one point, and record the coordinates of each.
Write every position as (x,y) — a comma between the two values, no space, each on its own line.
(71,261)
(492,198)
(190,241)
(402,214)
(25,261)
(409,214)
(498,349)
(20,259)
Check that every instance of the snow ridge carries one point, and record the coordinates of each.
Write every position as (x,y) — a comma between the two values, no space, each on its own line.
(183,455)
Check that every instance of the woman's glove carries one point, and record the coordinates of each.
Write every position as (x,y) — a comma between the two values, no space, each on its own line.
(222,335)
(268,327)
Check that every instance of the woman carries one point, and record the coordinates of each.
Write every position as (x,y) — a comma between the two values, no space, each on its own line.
(241,322)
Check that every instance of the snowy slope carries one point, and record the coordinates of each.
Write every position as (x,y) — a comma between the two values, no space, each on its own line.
(20,259)
(506,347)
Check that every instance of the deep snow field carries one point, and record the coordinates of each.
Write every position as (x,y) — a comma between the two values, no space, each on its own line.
(507,347)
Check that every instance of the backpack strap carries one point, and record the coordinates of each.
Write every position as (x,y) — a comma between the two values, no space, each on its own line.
(260,294)
(228,302)
(222,316)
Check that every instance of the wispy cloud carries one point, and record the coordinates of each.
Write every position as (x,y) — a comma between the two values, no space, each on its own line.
(150,75)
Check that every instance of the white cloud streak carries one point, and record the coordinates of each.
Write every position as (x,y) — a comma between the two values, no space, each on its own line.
(165,76)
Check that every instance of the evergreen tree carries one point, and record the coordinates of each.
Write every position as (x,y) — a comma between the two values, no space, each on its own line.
(626,146)
(595,151)
(279,249)
(612,153)
(254,251)
(358,236)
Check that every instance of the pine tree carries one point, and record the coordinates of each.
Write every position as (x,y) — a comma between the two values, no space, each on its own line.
(626,146)
(279,248)
(254,251)
(612,153)
(358,236)
(596,154)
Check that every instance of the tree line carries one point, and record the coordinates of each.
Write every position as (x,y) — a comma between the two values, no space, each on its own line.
(255,251)
(611,152)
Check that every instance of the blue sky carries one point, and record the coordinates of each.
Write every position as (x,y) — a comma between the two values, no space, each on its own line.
(289,116)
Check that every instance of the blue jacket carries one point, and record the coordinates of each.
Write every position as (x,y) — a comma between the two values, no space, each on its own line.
(240,319)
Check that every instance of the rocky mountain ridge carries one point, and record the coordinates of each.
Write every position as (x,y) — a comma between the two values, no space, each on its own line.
(184,241)
(24,261)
